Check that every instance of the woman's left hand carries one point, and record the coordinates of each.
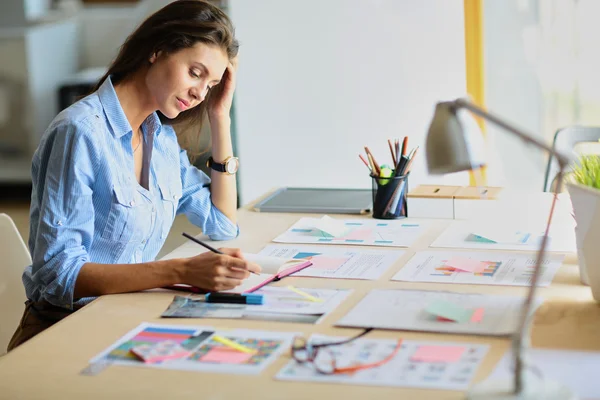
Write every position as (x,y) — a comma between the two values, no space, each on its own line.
(220,97)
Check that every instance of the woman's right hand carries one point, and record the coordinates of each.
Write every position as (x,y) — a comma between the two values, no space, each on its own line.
(217,272)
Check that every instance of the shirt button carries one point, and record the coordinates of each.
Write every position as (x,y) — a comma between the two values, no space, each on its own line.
(59,223)
(174,197)
(144,241)
(132,203)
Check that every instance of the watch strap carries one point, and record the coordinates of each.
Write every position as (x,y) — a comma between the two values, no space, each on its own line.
(215,165)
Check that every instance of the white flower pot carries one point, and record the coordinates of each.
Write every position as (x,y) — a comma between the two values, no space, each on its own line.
(586,206)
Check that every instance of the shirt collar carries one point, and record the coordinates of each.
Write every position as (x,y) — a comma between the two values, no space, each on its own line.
(116,116)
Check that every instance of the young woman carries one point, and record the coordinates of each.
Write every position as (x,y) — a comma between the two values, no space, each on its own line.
(109,175)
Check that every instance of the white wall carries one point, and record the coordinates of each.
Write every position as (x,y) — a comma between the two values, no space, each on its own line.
(52,56)
(105,27)
(319,80)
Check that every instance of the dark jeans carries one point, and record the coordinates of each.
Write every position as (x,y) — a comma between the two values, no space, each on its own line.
(38,316)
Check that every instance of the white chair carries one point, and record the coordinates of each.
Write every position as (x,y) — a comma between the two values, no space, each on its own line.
(14,257)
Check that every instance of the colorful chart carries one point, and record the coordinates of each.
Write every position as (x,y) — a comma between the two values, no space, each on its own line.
(264,349)
(321,261)
(497,268)
(207,352)
(151,335)
(490,270)
(337,262)
(307,255)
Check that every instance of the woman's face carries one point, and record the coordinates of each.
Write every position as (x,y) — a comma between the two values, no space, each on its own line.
(181,80)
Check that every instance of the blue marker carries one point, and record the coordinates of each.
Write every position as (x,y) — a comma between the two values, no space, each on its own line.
(234,298)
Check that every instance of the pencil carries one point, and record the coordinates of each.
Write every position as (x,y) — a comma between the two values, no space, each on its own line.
(410,160)
(201,243)
(392,151)
(209,247)
(373,167)
(365,162)
(377,170)
(404,145)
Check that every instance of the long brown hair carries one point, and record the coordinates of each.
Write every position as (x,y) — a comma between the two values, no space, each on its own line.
(177,26)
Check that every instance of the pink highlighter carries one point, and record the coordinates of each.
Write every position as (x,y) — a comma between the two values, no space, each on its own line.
(280,275)
(273,278)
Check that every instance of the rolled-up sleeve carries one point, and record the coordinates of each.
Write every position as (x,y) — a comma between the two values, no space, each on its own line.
(196,203)
(66,213)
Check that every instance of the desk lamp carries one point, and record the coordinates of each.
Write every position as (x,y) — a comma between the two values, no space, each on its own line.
(455,143)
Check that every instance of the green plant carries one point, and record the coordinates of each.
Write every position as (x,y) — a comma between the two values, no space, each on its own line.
(587,171)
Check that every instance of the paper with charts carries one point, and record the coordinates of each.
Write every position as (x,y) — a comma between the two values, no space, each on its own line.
(337,262)
(206,352)
(435,311)
(271,267)
(367,232)
(495,236)
(573,369)
(282,304)
(418,364)
(470,267)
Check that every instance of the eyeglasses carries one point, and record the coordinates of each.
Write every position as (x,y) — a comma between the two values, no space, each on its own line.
(324,360)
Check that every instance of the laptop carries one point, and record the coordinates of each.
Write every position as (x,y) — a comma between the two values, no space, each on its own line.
(317,201)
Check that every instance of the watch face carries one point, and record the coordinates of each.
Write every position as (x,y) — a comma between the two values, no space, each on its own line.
(232,165)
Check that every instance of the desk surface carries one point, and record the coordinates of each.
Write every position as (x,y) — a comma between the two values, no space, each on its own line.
(48,366)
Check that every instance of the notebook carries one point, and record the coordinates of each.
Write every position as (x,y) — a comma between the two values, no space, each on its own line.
(318,201)
(272,269)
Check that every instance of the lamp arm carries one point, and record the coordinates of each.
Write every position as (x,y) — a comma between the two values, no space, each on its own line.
(562,159)
(527,307)
(563,162)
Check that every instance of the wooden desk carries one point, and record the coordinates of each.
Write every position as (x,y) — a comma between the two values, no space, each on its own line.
(48,366)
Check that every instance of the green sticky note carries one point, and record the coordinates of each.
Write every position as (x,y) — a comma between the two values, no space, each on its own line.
(447,310)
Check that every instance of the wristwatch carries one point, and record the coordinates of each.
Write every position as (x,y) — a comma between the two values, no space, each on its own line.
(229,166)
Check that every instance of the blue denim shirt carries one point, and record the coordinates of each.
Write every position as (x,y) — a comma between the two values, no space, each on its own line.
(86,203)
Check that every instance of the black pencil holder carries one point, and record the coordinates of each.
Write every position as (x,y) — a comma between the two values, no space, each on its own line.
(389,197)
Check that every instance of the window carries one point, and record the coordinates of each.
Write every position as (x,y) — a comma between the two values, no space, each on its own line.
(542,72)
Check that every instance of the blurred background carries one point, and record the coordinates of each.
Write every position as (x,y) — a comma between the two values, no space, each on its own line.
(320,79)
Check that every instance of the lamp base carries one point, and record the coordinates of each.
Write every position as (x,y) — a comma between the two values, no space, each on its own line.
(534,389)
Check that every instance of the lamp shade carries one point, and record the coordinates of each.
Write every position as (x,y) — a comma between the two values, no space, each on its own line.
(454,141)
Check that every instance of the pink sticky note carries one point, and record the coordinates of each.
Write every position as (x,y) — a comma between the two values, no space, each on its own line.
(224,355)
(438,353)
(161,351)
(466,264)
(359,234)
(477,314)
(323,262)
